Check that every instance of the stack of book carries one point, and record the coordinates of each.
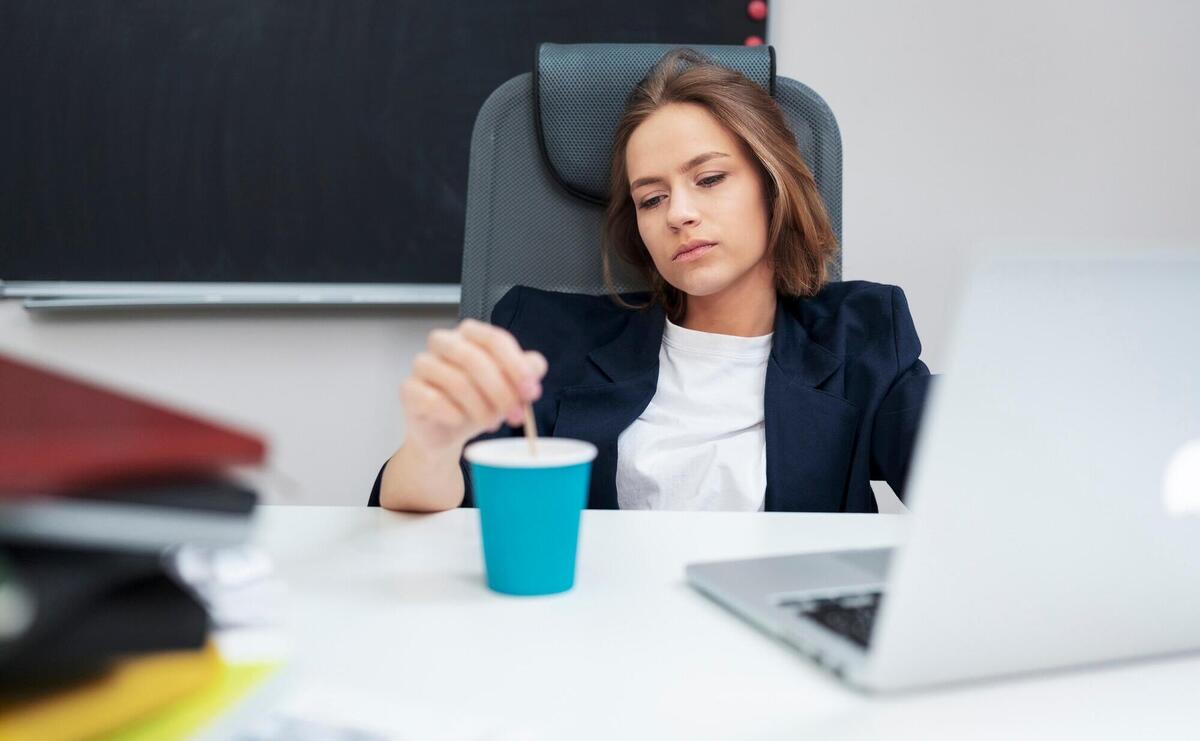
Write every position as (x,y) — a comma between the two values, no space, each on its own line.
(103,496)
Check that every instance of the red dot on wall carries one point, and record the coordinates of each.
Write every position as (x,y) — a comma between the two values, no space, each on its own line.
(753,41)
(756,9)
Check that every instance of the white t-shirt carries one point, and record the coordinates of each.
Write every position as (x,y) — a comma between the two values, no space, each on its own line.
(700,443)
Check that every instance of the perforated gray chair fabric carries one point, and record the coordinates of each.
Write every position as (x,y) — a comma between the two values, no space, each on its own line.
(535,204)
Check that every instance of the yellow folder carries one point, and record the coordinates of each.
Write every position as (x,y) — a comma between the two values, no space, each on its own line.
(182,718)
(132,689)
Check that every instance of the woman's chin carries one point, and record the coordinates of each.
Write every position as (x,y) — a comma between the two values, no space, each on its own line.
(701,285)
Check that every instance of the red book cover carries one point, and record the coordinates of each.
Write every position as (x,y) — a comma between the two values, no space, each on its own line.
(63,435)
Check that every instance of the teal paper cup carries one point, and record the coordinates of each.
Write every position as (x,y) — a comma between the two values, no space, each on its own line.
(529,509)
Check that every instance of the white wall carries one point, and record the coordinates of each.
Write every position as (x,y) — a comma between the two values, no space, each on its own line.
(1023,119)
(960,121)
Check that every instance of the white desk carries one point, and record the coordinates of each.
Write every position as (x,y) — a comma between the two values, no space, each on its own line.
(391,612)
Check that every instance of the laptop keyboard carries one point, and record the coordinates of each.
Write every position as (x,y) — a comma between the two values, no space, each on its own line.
(850,616)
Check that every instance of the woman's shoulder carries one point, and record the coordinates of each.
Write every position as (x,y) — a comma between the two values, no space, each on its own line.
(565,327)
(857,292)
(524,305)
(855,315)
(851,300)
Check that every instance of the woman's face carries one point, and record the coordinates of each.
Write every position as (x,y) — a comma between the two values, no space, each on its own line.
(692,180)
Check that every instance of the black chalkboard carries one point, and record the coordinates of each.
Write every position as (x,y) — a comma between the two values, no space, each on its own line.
(313,141)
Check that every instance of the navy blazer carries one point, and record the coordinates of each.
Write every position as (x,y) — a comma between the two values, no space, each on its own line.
(845,387)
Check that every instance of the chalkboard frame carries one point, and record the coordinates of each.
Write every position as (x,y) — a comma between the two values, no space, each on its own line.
(58,295)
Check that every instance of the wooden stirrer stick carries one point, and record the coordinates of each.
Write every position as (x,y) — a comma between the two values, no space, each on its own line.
(530,429)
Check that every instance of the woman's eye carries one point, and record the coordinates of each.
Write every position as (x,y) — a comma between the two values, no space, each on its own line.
(707,182)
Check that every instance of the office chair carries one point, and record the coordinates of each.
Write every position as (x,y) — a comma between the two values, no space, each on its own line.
(539,168)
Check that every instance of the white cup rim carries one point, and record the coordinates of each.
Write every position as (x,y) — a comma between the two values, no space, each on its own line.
(513,452)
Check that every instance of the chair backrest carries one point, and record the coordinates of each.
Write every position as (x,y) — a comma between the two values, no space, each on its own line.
(539,166)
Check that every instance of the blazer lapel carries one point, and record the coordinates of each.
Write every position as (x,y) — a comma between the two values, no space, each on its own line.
(621,379)
(810,431)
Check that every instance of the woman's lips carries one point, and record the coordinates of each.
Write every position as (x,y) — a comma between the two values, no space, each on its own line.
(694,254)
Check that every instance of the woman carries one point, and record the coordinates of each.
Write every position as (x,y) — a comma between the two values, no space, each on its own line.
(742,380)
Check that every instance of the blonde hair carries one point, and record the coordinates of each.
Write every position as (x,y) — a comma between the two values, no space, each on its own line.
(800,239)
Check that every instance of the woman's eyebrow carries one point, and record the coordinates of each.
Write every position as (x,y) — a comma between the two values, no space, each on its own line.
(696,161)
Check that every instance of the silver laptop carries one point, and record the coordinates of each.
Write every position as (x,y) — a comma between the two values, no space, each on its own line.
(1054,491)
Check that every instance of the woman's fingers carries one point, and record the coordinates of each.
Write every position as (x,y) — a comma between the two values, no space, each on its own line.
(472,378)
(522,372)
(456,386)
(428,403)
(537,362)
(480,367)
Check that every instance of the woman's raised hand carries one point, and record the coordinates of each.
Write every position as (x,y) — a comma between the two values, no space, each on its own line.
(468,380)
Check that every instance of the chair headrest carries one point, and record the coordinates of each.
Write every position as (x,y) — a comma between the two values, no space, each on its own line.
(580,92)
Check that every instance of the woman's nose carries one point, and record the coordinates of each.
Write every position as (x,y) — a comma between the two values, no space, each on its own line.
(681,211)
